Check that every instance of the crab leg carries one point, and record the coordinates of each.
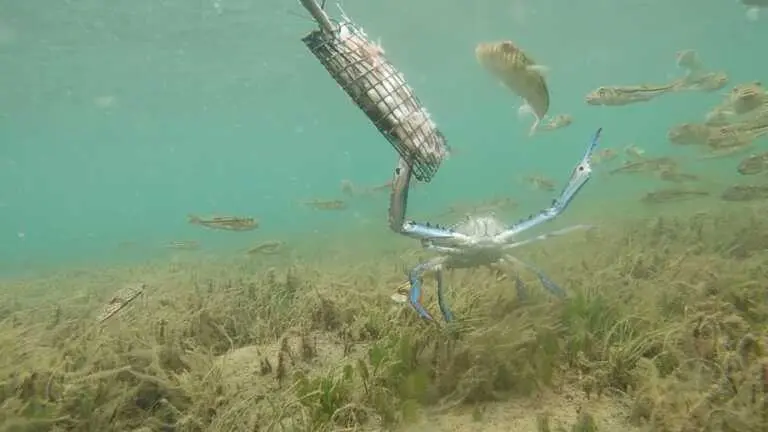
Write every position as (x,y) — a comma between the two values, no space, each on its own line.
(441,249)
(447,314)
(416,277)
(579,177)
(428,231)
(520,287)
(546,236)
(398,204)
(398,198)
(545,281)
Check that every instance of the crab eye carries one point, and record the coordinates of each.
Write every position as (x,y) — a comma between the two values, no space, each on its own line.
(602,92)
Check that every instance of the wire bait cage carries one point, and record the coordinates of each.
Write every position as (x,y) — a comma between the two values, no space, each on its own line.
(358,65)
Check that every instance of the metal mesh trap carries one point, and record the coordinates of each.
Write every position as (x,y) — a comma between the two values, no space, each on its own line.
(380,91)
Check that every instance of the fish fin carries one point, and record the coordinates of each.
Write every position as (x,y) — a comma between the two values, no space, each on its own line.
(753,13)
(534,127)
(541,69)
(526,110)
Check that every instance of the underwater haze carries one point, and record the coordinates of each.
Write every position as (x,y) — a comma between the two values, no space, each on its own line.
(199,230)
(118,119)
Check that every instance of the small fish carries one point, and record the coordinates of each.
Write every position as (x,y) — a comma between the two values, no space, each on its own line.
(270,247)
(557,122)
(725,137)
(755,122)
(226,223)
(646,165)
(753,164)
(725,152)
(604,155)
(689,134)
(672,195)
(743,193)
(706,82)
(496,204)
(688,59)
(675,176)
(384,187)
(326,204)
(753,8)
(520,74)
(634,152)
(757,118)
(736,135)
(625,95)
(489,206)
(183,245)
(348,188)
(717,117)
(540,183)
(745,98)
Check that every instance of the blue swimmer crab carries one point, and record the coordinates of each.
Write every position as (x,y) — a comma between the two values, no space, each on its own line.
(478,241)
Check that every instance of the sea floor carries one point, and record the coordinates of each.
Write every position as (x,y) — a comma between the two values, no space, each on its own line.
(663,329)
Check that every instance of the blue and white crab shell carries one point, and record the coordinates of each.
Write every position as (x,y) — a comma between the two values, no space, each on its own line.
(481,227)
(484,227)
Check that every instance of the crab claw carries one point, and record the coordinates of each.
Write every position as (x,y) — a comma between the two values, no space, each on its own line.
(548,284)
(444,309)
(415,293)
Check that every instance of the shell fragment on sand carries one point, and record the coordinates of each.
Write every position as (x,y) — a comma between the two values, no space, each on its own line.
(120,300)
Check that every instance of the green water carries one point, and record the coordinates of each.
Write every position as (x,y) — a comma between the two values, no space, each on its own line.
(119,118)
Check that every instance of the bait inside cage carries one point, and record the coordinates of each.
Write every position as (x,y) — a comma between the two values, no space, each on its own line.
(380,91)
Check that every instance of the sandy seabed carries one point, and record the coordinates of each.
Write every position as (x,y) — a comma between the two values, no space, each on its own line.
(664,329)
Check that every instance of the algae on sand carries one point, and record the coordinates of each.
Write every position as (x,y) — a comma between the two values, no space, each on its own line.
(664,330)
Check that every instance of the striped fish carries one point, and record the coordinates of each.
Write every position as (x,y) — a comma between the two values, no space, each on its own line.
(753,8)
(519,73)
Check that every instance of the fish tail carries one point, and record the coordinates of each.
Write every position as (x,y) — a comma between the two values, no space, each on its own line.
(539,69)
(526,110)
(193,219)
(753,13)
(534,127)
